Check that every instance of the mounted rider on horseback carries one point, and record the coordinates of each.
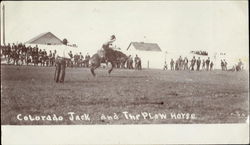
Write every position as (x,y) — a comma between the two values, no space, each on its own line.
(107,54)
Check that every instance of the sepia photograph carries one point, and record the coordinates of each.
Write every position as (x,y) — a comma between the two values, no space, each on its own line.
(124,63)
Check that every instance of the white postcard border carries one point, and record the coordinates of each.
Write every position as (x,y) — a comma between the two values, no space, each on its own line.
(126,134)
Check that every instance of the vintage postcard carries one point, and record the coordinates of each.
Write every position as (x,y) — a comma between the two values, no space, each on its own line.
(99,72)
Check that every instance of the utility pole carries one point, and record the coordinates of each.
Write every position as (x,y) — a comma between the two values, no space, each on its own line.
(3,24)
(0,27)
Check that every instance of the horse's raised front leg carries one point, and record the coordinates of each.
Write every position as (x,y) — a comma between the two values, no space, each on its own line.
(93,67)
(112,66)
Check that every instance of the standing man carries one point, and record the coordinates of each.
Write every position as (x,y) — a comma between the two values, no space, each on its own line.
(81,59)
(203,64)
(239,66)
(225,64)
(222,65)
(165,66)
(136,61)
(177,64)
(207,63)
(131,63)
(61,58)
(75,60)
(128,62)
(50,58)
(139,63)
(53,58)
(185,63)
(198,64)
(172,64)
(193,61)
(87,58)
(71,59)
(211,65)
(180,63)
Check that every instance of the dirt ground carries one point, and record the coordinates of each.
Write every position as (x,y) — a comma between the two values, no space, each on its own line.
(124,97)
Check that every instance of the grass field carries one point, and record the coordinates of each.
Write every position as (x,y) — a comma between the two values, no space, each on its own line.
(213,97)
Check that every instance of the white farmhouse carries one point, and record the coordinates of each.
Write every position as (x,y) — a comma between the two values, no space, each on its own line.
(150,53)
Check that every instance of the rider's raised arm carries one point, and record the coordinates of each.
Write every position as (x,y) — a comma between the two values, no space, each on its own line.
(109,41)
(112,40)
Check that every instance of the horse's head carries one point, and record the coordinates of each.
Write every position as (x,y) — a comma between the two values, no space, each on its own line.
(118,54)
(123,57)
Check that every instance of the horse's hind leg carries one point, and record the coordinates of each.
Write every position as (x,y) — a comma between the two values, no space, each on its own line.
(92,71)
(112,66)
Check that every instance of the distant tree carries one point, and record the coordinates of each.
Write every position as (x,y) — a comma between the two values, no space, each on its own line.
(65,41)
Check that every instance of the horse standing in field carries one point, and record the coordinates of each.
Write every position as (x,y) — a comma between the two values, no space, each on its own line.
(112,56)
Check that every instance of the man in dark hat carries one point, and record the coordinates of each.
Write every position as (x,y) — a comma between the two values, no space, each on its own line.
(165,66)
(207,63)
(61,57)
(193,61)
(225,64)
(185,63)
(87,58)
(222,65)
(198,63)
(172,64)
(211,65)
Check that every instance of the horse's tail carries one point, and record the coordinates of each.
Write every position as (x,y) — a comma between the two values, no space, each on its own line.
(91,62)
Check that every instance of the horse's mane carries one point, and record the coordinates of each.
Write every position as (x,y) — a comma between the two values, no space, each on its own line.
(119,54)
(115,55)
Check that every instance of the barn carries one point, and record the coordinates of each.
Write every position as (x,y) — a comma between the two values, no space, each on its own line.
(47,38)
(49,42)
(150,53)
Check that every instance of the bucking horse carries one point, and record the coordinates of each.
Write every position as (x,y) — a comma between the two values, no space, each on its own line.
(112,56)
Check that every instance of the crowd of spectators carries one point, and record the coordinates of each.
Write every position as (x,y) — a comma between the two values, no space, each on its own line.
(19,54)
(223,65)
(198,64)
(134,64)
(78,60)
(193,64)
(237,67)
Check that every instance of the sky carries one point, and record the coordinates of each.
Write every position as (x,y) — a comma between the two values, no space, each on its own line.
(220,26)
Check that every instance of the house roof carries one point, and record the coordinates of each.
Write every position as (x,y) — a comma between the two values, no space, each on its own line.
(45,38)
(145,46)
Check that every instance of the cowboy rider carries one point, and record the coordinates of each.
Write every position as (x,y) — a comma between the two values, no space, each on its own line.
(107,46)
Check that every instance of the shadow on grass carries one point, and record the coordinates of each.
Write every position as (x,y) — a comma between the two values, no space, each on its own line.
(89,81)
(126,77)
